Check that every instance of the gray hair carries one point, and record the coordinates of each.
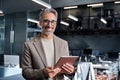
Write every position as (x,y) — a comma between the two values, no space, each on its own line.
(47,11)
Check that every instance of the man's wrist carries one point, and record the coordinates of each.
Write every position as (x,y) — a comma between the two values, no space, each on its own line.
(44,73)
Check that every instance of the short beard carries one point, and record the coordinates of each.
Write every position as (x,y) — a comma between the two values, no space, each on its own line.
(47,33)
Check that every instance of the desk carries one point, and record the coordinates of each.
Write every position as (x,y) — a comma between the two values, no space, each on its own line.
(13,77)
(109,72)
(10,74)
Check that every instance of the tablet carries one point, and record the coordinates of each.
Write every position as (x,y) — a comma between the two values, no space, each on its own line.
(66,59)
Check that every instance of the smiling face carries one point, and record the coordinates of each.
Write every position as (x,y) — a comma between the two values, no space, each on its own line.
(48,23)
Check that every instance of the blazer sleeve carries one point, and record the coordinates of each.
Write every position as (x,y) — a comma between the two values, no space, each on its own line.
(26,63)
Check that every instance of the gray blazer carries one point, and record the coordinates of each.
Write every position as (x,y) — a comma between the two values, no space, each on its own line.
(33,57)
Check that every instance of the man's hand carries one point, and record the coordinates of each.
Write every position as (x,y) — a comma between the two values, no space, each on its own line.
(67,68)
(51,72)
(54,72)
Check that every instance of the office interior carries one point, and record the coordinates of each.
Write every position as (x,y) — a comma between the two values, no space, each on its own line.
(93,33)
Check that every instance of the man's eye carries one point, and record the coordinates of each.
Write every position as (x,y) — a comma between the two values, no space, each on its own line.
(53,21)
(45,20)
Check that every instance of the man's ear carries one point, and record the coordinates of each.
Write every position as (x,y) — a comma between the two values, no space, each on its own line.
(39,25)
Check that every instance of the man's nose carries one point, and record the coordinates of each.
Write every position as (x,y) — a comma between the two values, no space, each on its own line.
(49,23)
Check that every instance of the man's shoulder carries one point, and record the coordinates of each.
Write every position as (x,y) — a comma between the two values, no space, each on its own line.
(60,39)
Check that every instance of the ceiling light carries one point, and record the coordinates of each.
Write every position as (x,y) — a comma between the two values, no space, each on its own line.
(103,20)
(116,2)
(64,23)
(1,13)
(42,3)
(95,5)
(70,7)
(72,17)
(32,20)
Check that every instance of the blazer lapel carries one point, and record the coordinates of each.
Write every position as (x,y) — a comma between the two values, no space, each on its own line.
(56,48)
(39,49)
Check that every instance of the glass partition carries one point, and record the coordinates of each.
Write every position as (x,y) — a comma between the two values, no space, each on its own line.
(2,34)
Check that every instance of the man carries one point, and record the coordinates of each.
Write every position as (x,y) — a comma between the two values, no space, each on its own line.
(42,52)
